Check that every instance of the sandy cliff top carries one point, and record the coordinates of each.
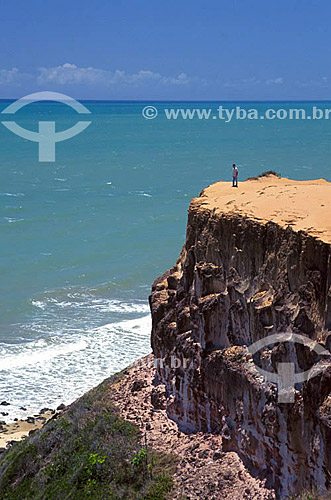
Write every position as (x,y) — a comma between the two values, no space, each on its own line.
(303,205)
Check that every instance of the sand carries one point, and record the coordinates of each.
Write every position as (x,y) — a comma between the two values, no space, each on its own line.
(17,430)
(203,469)
(302,205)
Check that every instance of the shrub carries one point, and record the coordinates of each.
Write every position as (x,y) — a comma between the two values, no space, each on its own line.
(89,452)
(264,174)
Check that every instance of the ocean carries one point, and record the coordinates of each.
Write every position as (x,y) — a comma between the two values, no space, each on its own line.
(83,238)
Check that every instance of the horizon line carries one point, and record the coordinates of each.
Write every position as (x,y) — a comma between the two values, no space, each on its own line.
(6,99)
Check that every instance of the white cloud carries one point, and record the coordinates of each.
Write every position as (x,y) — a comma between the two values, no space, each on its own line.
(242,83)
(275,81)
(71,74)
(9,76)
(321,82)
(252,81)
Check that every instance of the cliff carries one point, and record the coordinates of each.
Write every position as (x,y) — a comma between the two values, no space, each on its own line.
(256,263)
(88,451)
(117,442)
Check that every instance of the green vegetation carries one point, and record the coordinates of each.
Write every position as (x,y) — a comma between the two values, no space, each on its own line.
(88,452)
(311,495)
(264,174)
(140,457)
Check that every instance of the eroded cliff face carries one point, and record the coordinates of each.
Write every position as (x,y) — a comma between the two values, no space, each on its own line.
(239,280)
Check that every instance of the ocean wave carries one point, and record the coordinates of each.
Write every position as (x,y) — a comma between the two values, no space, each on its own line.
(50,371)
(12,220)
(140,193)
(35,353)
(118,306)
(15,195)
(86,301)
(129,325)
(39,303)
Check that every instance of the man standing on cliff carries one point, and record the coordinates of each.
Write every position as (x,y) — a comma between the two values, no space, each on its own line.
(235,176)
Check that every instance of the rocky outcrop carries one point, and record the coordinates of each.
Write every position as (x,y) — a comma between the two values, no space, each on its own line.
(239,280)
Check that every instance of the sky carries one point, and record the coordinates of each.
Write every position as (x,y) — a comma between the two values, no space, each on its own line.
(167,50)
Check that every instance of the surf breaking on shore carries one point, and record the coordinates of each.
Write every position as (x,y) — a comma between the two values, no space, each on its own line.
(79,358)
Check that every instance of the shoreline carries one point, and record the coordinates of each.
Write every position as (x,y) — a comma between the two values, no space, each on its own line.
(201,467)
(19,429)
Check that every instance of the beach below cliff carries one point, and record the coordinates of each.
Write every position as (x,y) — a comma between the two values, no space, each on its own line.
(202,469)
(19,429)
(217,418)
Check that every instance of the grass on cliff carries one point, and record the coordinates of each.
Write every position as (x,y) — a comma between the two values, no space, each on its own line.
(88,452)
(264,174)
(311,495)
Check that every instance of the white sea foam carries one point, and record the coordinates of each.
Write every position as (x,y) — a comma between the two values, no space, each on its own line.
(61,367)
(35,352)
(99,304)
(141,193)
(39,303)
(15,195)
(118,306)
(12,220)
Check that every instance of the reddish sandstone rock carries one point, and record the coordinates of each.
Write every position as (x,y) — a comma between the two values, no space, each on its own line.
(239,279)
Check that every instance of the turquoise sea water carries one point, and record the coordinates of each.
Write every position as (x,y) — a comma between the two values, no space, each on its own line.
(83,238)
